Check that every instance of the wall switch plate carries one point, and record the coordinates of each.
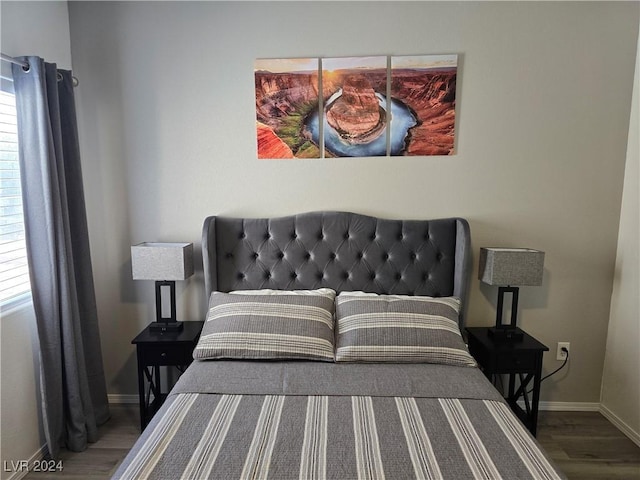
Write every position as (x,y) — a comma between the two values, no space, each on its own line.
(560,355)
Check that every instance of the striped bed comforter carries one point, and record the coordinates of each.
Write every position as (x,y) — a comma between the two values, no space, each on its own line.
(288,435)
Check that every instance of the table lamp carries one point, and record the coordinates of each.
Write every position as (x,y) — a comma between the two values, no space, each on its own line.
(509,269)
(165,263)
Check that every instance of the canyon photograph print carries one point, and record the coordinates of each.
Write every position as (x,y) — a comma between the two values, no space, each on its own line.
(354,90)
(355,115)
(426,84)
(286,92)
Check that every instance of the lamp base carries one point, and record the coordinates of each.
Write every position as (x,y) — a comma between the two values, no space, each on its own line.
(505,334)
(159,327)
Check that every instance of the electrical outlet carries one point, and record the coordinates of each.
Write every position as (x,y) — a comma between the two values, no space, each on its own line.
(560,355)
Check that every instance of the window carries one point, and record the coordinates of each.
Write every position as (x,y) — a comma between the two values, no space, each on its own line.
(14,272)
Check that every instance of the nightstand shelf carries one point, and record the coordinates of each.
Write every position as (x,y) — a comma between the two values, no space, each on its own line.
(521,360)
(161,349)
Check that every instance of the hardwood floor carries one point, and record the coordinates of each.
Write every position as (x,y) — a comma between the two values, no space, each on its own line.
(100,460)
(584,445)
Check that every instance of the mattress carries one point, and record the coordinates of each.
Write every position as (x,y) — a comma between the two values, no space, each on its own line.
(234,419)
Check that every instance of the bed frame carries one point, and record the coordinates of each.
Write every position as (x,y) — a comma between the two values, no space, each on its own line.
(245,418)
(339,250)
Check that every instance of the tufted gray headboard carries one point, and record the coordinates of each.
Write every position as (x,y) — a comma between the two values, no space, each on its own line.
(340,250)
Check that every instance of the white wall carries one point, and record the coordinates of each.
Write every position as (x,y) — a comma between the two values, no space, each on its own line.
(621,382)
(28,28)
(167,130)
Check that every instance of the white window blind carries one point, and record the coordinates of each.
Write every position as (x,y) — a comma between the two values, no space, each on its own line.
(14,272)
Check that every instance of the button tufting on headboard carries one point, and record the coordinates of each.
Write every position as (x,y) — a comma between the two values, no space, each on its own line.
(340,250)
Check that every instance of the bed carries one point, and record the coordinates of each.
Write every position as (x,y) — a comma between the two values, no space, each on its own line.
(332,348)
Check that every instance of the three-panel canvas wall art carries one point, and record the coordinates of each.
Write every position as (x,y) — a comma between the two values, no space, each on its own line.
(355,106)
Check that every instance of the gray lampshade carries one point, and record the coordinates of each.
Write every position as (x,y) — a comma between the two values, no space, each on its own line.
(511,266)
(162,261)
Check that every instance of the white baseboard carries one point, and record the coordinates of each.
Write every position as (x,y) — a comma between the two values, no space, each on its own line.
(620,425)
(566,406)
(22,471)
(118,398)
(591,407)
(569,406)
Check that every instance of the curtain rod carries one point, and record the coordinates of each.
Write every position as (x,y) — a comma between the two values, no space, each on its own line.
(15,61)
(25,65)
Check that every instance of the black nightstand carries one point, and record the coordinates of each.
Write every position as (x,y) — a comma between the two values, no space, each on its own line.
(522,359)
(156,349)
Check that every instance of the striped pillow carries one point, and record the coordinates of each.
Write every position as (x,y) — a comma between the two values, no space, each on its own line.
(268,327)
(399,329)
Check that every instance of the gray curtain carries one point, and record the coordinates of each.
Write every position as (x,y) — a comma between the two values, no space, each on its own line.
(74,398)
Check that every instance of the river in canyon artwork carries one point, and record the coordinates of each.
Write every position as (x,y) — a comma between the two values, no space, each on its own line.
(357,114)
(426,84)
(355,107)
(286,95)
